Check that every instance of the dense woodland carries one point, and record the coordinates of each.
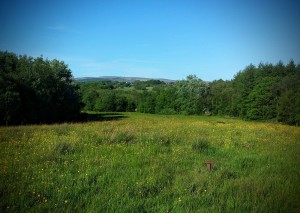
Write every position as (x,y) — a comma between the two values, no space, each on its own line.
(34,90)
(38,90)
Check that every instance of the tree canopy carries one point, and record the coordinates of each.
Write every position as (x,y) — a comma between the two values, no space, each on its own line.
(265,92)
(35,90)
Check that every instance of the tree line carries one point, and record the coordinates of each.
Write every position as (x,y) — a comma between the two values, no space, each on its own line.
(37,90)
(265,92)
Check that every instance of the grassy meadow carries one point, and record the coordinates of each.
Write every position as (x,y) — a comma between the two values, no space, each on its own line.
(150,163)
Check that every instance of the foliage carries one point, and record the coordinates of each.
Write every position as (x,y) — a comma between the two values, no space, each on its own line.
(146,103)
(107,96)
(142,85)
(190,95)
(266,92)
(289,101)
(183,97)
(261,102)
(220,97)
(36,90)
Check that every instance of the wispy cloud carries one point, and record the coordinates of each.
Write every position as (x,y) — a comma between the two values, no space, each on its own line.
(140,61)
(86,67)
(120,67)
(57,27)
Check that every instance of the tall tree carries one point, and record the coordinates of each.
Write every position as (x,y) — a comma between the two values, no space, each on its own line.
(243,84)
(261,102)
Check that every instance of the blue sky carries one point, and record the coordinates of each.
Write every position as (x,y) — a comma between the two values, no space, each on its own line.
(161,39)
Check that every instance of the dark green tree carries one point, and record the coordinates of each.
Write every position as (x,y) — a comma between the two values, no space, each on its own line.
(121,103)
(36,90)
(288,109)
(262,101)
(89,98)
(147,102)
(243,83)
(220,97)
(106,102)
(165,100)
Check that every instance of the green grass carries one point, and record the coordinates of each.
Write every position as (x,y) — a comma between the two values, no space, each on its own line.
(151,163)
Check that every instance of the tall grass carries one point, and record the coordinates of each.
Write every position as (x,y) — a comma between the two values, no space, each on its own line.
(151,163)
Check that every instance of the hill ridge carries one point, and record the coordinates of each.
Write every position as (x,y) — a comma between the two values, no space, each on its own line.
(120,79)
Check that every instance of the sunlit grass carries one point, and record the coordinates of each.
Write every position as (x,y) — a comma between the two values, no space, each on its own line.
(151,163)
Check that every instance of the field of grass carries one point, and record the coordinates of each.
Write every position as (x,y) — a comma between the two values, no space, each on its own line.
(150,163)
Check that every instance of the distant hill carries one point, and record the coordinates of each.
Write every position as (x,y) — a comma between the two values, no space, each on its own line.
(120,79)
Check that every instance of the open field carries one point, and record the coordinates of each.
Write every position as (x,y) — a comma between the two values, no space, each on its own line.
(151,163)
